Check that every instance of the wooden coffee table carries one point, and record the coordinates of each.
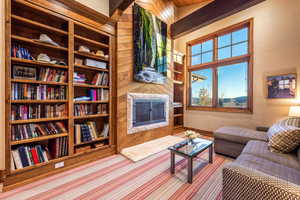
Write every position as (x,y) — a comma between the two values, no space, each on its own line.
(190,150)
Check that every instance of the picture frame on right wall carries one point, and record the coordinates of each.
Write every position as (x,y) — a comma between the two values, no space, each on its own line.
(281,86)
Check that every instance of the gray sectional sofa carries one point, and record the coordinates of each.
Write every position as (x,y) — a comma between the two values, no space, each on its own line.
(257,173)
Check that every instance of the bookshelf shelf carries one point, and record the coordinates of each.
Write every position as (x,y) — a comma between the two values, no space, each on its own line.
(36,63)
(38,25)
(37,82)
(89,86)
(178,82)
(33,42)
(37,139)
(37,120)
(91,116)
(92,141)
(178,115)
(91,68)
(89,55)
(38,101)
(38,165)
(100,44)
(178,72)
(89,102)
(178,127)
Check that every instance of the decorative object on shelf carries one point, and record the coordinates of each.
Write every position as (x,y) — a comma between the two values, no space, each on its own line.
(78,61)
(95,63)
(22,72)
(79,77)
(46,39)
(281,86)
(42,57)
(191,135)
(99,53)
(150,47)
(84,49)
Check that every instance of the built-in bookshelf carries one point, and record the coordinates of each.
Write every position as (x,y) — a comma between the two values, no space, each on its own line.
(179,82)
(59,88)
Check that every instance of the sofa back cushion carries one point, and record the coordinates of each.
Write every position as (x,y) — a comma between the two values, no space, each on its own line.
(283,138)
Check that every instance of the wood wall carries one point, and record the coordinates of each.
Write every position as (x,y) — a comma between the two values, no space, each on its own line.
(164,9)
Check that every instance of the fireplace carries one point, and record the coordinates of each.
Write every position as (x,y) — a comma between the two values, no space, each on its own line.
(147,111)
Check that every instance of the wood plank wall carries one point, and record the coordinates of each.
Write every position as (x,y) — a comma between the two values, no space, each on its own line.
(164,9)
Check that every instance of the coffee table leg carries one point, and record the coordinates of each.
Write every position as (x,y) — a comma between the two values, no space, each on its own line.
(211,154)
(172,162)
(190,170)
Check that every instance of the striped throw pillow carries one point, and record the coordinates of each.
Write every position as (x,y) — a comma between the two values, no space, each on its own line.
(283,138)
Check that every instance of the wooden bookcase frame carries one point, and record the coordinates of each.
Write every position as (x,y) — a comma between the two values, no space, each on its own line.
(179,90)
(14,178)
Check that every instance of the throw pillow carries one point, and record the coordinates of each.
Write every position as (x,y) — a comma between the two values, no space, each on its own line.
(290,121)
(283,138)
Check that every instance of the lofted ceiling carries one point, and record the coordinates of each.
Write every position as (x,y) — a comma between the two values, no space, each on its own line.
(180,3)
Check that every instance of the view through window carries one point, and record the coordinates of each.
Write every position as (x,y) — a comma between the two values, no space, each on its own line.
(219,70)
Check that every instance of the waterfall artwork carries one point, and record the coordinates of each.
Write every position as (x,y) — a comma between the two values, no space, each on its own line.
(150,47)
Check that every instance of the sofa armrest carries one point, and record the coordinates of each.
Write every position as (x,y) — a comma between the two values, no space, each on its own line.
(240,182)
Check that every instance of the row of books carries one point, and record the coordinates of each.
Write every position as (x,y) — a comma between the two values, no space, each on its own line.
(20,91)
(24,112)
(79,77)
(25,156)
(20,52)
(28,131)
(83,109)
(101,79)
(48,74)
(87,109)
(88,132)
(102,108)
(30,155)
(99,94)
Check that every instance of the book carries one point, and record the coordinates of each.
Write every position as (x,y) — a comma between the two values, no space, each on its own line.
(85,132)
(28,131)
(25,91)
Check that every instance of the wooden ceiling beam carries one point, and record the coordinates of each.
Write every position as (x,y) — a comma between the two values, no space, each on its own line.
(208,14)
(118,5)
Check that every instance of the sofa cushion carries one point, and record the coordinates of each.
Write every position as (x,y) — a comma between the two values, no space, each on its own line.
(268,167)
(283,138)
(260,149)
(239,135)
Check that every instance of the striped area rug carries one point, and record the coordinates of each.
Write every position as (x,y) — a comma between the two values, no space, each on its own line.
(116,177)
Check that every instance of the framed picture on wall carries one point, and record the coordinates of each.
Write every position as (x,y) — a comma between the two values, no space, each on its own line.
(281,86)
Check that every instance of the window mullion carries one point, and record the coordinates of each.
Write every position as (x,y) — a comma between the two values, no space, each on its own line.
(215,49)
(215,87)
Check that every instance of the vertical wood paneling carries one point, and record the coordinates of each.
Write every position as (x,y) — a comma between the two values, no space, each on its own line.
(163,9)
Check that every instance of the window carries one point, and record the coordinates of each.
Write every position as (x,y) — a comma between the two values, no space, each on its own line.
(220,70)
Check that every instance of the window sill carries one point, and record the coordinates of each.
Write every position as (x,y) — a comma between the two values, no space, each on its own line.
(227,110)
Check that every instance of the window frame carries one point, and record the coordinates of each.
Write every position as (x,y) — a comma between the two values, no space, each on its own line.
(219,63)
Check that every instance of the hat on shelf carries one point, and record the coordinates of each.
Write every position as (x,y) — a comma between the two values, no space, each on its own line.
(46,39)
(42,57)
(84,49)
(99,53)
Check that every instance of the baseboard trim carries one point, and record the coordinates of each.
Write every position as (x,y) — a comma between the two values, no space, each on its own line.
(203,132)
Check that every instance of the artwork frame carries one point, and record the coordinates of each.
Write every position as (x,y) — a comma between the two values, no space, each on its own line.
(24,72)
(150,47)
(281,86)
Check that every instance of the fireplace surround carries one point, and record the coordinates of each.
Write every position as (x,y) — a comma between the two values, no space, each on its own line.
(146,111)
